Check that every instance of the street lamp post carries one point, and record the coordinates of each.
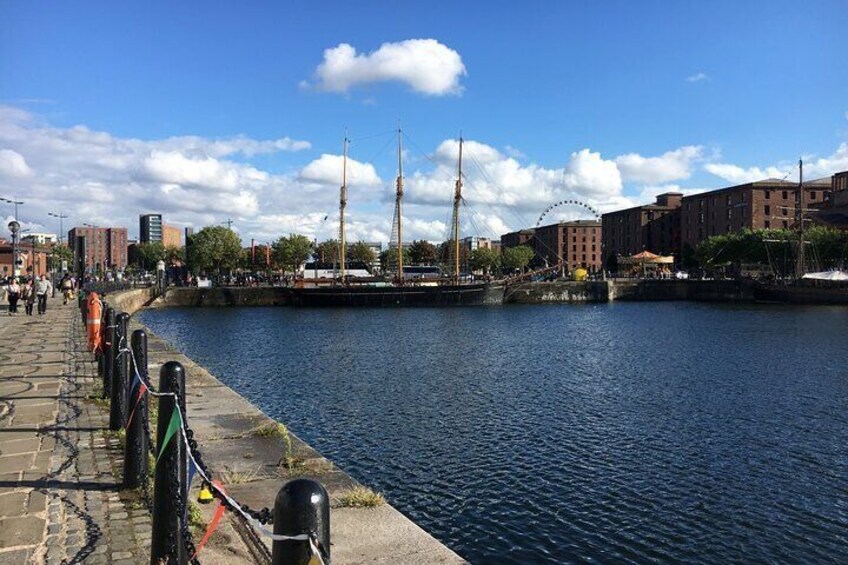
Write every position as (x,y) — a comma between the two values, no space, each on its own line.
(61,224)
(14,227)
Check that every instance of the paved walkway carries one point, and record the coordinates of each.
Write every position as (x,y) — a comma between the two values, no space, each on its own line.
(59,499)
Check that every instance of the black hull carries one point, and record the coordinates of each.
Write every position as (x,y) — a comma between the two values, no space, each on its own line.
(801,294)
(406,296)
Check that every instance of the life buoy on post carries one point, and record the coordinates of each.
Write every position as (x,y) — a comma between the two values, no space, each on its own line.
(92,322)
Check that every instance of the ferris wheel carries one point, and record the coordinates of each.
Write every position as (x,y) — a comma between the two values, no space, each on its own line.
(581,207)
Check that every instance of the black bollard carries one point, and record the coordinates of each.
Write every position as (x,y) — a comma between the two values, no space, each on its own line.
(135,454)
(120,357)
(108,365)
(167,544)
(302,507)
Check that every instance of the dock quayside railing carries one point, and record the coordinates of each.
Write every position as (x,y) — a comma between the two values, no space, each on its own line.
(301,515)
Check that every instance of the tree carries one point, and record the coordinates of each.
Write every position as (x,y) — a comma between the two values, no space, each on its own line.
(485,259)
(328,251)
(423,252)
(517,258)
(149,254)
(446,251)
(174,255)
(214,247)
(388,259)
(362,253)
(292,251)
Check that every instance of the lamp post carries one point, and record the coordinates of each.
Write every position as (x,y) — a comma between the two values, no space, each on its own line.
(61,224)
(12,201)
(14,227)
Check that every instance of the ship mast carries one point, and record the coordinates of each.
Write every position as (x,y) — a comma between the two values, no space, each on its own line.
(457,200)
(399,209)
(342,205)
(799,219)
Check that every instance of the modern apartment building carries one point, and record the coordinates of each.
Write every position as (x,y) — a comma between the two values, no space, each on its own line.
(150,228)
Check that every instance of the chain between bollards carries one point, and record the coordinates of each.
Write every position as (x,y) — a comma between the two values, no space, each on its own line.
(135,452)
(120,362)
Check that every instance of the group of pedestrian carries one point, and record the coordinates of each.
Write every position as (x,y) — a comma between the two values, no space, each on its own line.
(32,291)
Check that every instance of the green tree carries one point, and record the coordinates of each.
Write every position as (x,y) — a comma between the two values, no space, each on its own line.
(327,251)
(388,259)
(149,254)
(517,257)
(174,255)
(214,248)
(486,260)
(422,252)
(61,253)
(292,251)
(446,251)
(361,252)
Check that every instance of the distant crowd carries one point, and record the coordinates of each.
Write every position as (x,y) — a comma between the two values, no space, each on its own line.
(34,290)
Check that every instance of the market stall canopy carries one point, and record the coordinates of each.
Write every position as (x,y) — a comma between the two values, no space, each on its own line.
(647,258)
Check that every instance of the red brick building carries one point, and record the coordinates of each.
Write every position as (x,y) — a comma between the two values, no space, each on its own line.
(575,244)
(105,248)
(767,204)
(652,227)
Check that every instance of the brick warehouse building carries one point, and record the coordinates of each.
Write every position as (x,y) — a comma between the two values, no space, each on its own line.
(105,248)
(652,227)
(767,204)
(576,244)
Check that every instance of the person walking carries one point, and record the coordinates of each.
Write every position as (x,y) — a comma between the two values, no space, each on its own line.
(67,286)
(28,296)
(13,293)
(42,287)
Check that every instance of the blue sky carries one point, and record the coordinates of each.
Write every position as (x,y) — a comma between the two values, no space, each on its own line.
(609,102)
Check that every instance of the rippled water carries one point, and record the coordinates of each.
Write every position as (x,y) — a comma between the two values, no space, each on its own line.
(660,432)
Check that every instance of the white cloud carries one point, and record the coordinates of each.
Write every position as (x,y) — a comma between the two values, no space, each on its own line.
(13,164)
(327,170)
(698,77)
(741,175)
(426,65)
(670,166)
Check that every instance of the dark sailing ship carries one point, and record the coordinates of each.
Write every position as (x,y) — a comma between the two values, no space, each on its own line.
(447,291)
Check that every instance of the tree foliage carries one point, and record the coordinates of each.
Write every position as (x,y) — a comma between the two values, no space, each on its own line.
(361,252)
(422,252)
(486,260)
(825,248)
(214,248)
(328,251)
(149,254)
(174,255)
(517,258)
(388,259)
(292,251)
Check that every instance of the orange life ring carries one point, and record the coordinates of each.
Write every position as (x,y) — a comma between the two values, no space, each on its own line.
(92,322)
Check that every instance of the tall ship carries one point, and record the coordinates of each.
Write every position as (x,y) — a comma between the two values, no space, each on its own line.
(395,288)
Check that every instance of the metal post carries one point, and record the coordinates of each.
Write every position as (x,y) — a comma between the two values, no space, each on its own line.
(108,361)
(302,507)
(167,543)
(135,455)
(118,405)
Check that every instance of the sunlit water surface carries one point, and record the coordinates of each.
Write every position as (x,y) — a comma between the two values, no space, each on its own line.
(660,432)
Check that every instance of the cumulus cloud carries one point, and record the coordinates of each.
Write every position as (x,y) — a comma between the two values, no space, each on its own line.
(814,167)
(13,164)
(327,170)
(741,175)
(670,166)
(427,66)
(697,77)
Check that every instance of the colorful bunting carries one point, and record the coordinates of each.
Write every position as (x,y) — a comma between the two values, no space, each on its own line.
(173,427)
(219,512)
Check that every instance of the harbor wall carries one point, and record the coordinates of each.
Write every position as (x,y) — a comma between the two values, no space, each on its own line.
(558,292)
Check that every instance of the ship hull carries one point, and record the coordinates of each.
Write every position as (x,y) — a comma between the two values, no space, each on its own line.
(405,296)
(802,294)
